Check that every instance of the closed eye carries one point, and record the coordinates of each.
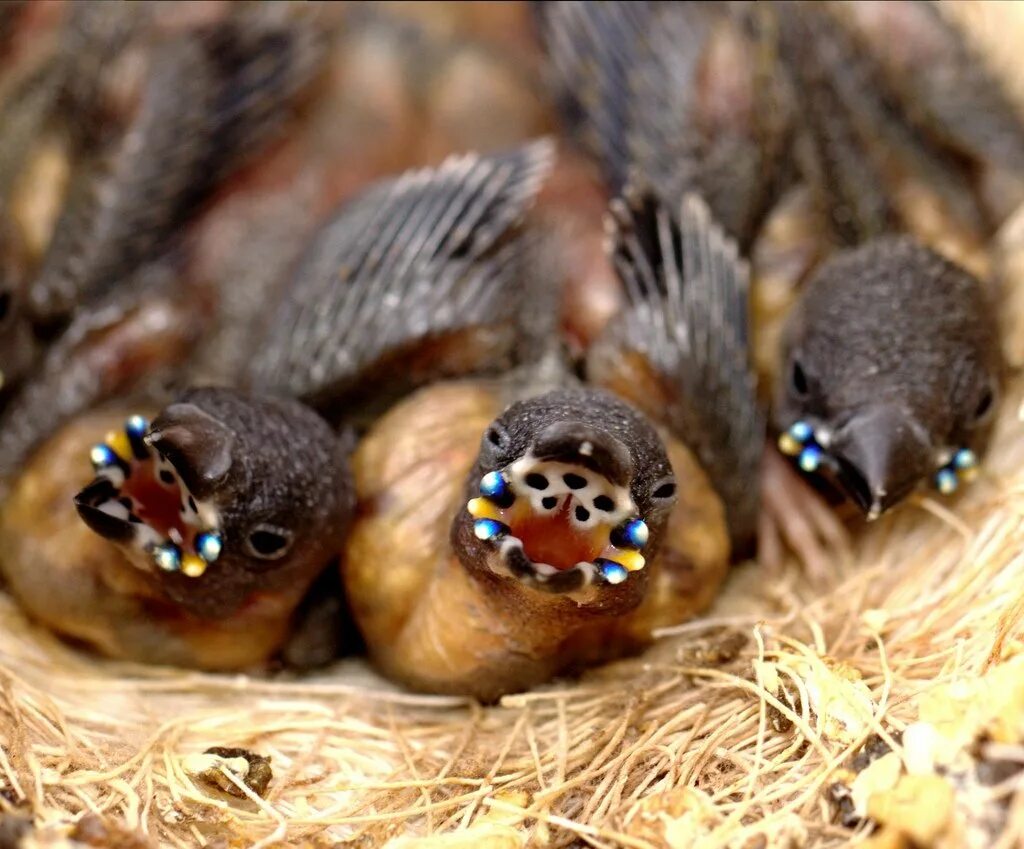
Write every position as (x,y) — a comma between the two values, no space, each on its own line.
(985,405)
(268,542)
(798,379)
(664,490)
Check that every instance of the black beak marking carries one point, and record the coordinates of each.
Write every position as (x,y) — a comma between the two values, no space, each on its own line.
(103,523)
(571,442)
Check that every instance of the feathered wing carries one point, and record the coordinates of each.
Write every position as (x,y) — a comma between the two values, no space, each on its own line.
(633,83)
(594,49)
(212,99)
(419,278)
(860,136)
(681,351)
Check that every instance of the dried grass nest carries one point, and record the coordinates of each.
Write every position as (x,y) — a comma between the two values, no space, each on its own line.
(888,708)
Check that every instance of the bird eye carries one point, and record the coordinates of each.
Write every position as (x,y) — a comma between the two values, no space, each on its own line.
(268,542)
(664,489)
(985,405)
(798,379)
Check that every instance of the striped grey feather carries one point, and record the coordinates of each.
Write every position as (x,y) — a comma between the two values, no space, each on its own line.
(687,290)
(594,49)
(663,145)
(629,77)
(430,252)
(213,97)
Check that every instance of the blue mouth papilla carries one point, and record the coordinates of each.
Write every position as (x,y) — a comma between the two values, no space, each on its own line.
(497,509)
(799,442)
(962,466)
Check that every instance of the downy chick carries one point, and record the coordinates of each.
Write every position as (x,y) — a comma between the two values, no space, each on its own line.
(882,154)
(197,538)
(892,373)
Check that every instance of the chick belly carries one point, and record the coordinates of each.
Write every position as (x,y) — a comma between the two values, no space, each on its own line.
(81,586)
(431,625)
(428,624)
(461,640)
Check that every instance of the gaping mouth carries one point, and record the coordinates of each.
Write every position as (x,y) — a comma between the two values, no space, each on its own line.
(139,500)
(557,525)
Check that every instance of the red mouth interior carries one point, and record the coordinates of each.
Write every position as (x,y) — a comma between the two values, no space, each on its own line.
(551,538)
(157,503)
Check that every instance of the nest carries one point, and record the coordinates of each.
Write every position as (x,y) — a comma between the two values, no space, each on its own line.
(887,706)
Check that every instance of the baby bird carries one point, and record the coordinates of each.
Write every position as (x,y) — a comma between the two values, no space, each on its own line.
(205,526)
(513,521)
(892,373)
(197,538)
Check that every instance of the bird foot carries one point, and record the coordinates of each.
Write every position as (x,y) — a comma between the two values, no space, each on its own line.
(796,520)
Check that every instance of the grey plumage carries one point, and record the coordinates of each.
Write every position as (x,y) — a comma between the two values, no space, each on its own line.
(860,129)
(636,90)
(431,253)
(82,368)
(957,103)
(212,98)
(687,291)
(593,49)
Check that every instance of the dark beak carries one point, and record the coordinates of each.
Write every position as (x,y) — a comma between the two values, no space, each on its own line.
(88,502)
(882,454)
(196,444)
(597,450)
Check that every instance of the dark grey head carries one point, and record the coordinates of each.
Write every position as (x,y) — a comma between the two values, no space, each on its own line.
(223,496)
(891,372)
(570,494)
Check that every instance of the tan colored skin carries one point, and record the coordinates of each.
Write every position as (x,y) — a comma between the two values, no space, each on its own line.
(430,624)
(38,193)
(82,587)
